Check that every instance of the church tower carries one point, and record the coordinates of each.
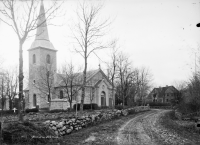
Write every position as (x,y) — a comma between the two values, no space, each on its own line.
(42,55)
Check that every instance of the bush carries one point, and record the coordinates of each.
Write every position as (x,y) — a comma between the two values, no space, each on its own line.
(152,104)
(104,107)
(8,112)
(31,110)
(58,110)
(94,106)
(119,107)
(86,106)
(187,108)
(132,111)
(44,109)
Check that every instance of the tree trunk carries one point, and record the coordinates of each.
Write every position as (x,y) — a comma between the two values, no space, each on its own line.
(123,96)
(70,103)
(84,84)
(71,94)
(10,104)
(83,92)
(21,77)
(112,81)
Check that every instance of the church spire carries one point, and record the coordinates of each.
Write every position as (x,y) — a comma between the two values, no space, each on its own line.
(42,36)
(42,31)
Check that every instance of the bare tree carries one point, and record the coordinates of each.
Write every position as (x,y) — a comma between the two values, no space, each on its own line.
(88,36)
(70,83)
(11,86)
(180,85)
(2,89)
(45,81)
(22,17)
(112,67)
(124,76)
(144,83)
(131,82)
(190,101)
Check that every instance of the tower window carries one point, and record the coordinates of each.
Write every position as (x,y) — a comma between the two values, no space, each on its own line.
(34,58)
(48,59)
(34,100)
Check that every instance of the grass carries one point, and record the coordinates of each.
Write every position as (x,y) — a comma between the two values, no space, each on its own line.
(185,129)
(28,133)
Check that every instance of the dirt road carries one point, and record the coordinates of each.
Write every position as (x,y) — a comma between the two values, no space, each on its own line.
(145,129)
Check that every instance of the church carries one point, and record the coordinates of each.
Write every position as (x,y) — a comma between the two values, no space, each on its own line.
(46,88)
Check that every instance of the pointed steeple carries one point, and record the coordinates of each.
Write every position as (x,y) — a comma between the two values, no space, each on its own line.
(42,36)
(42,31)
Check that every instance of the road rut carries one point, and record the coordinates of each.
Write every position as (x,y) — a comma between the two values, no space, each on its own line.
(145,129)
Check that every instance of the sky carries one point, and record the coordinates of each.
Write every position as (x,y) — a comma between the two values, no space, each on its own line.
(160,35)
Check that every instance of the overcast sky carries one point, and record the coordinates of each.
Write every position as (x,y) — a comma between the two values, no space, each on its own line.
(158,34)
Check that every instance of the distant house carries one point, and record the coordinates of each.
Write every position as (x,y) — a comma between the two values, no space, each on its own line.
(163,94)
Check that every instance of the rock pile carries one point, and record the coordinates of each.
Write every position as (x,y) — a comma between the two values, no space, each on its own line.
(66,126)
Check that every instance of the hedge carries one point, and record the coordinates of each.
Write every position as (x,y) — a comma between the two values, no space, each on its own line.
(86,106)
(58,110)
(119,107)
(8,112)
(31,110)
(159,104)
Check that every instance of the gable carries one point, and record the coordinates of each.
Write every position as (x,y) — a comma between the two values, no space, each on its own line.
(171,89)
(99,76)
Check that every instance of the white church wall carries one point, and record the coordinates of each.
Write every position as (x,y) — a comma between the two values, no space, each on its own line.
(59,104)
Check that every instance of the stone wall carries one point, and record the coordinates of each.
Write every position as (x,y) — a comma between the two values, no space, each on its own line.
(66,126)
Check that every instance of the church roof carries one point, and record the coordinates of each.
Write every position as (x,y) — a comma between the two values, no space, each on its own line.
(42,36)
(79,77)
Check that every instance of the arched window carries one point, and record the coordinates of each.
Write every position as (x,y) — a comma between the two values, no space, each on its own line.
(49,98)
(61,94)
(34,100)
(103,98)
(34,58)
(48,59)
